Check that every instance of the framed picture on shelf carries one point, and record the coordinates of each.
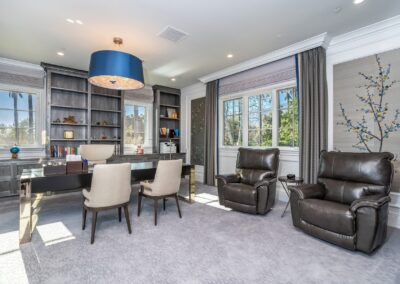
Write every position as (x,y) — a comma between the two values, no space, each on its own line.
(68,134)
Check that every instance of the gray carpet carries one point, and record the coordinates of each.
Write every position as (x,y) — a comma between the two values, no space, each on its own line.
(208,245)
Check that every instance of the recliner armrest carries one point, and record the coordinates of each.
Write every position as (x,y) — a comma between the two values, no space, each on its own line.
(374,201)
(232,178)
(265,182)
(307,191)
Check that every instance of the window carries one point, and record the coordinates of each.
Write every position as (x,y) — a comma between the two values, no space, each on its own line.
(270,117)
(233,122)
(135,125)
(17,118)
(260,120)
(288,117)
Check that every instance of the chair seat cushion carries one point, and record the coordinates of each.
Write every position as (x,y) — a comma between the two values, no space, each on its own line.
(328,215)
(241,193)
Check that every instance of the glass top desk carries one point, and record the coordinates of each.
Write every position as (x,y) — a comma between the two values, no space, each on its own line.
(34,182)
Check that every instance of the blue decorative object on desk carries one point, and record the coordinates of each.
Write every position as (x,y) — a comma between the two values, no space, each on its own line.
(14,152)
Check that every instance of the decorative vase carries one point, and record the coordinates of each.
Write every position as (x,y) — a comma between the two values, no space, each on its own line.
(14,152)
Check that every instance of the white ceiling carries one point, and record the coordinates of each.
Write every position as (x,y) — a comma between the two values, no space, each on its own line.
(34,31)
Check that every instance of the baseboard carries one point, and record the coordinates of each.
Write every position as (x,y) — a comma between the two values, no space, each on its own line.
(394,206)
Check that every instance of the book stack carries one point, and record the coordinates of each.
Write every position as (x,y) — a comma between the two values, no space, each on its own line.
(58,151)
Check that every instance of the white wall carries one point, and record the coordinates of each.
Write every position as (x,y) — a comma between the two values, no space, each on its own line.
(370,40)
(188,94)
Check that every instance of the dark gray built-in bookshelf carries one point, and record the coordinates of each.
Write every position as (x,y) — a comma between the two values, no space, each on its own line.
(166,100)
(93,114)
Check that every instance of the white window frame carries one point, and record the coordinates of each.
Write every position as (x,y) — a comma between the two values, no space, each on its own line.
(148,134)
(273,89)
(40,117)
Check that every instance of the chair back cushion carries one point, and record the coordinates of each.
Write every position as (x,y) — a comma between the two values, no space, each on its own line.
(168,177)
(111,185)
(254,165)
(349,176)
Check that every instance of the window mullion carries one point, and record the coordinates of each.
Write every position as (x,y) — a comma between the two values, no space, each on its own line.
(275,118)
(245,121)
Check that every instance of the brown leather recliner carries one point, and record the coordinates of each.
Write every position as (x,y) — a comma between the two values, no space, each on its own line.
(349,204)
(252,189)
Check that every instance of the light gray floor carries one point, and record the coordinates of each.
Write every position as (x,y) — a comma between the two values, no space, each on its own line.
(208,245)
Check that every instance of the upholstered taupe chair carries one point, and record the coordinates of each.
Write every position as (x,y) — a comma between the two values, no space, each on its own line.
(349,204)
(111,188)
(166,184)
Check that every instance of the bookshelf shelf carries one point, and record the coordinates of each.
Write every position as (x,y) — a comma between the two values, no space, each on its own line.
(68,90)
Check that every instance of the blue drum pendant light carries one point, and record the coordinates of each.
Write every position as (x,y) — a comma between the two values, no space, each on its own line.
(116,70)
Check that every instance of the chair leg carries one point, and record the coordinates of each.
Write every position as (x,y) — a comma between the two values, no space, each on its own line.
(94,215)
(164,199)
(119,214)
(177,205)
(128,220)
(139,203)
(155,211)
(84,211)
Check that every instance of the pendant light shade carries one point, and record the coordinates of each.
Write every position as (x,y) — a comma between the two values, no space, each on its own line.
(116,70)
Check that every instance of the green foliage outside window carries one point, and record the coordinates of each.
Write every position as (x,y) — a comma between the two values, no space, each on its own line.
(233,122)
(288,118)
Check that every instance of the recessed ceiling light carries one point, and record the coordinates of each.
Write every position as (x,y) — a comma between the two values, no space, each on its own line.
(70,21)
(60,53)
(79,22)
(173,79)
(230,55)
(358,1)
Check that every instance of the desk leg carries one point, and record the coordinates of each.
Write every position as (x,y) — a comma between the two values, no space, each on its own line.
(25,213)
(192,187)
(192,184)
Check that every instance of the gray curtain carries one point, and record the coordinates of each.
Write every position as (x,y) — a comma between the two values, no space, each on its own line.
(210,145)
(313,103)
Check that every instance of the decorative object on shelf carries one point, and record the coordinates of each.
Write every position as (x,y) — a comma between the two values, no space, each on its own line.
(68,134)
(70,119)
(98,123)
(57,121)
(170,112)
(175,115)
(171,133)
(14,150)
(104,137)
(163,131)
(176,130)
(116,69)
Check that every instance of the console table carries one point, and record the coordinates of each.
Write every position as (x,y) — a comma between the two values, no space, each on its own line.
(34,183)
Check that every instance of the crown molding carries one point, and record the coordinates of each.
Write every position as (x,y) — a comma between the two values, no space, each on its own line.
(386,32)
(382,26)
(319,40)
(20,64)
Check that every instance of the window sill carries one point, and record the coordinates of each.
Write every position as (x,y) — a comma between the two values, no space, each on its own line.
(26,152)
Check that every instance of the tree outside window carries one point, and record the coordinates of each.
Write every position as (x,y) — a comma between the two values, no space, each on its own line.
(134,128)
(288,118)
(17,118)
(260,120)
(233,122)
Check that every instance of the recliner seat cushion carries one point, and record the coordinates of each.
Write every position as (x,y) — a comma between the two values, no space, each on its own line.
(328,215)
(241,193)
